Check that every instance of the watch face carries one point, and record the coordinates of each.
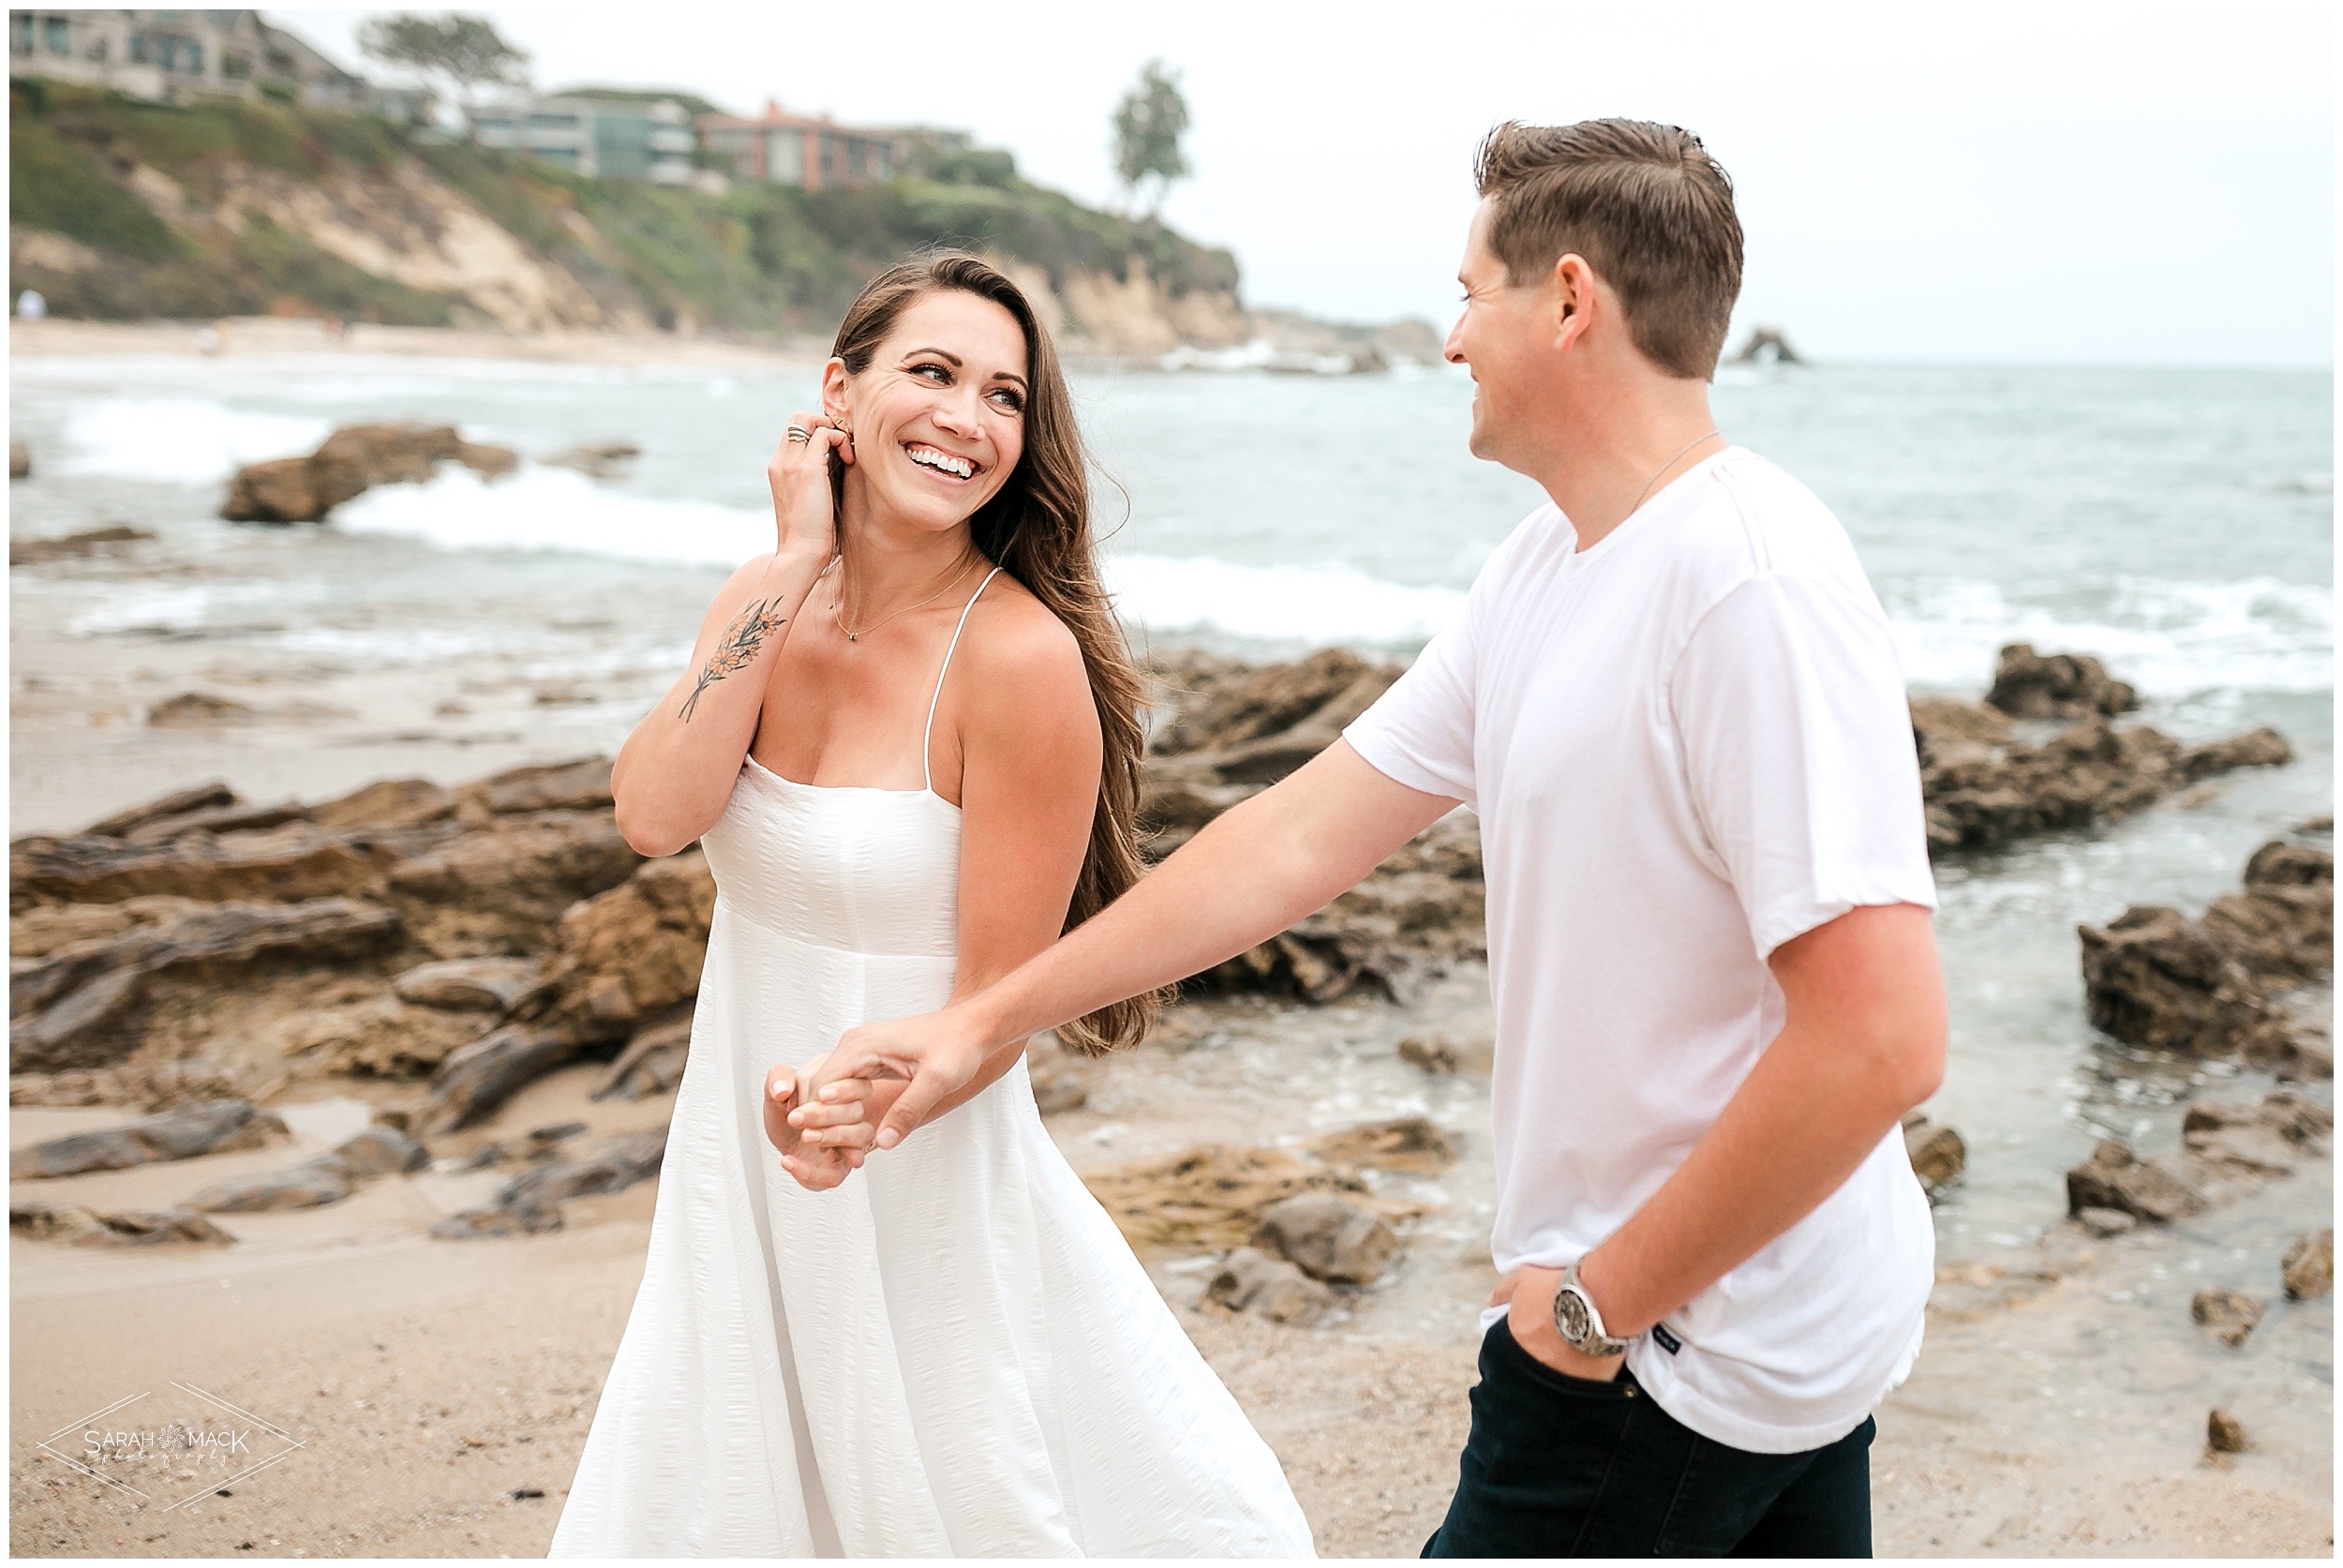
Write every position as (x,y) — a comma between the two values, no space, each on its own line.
(1569,1311)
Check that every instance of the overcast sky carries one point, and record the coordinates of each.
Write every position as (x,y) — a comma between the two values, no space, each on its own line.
(2055,181)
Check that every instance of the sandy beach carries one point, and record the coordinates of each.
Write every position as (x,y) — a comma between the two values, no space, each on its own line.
(428,1383)
(433,1395)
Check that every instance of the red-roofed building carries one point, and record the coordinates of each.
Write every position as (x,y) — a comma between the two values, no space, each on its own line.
(800,150)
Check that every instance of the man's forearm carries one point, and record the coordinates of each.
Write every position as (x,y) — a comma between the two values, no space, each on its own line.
(1790,1138)
(1248,875)
(1251,872)
(1831,1086)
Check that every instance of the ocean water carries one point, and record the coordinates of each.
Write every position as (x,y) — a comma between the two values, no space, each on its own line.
(2177,523)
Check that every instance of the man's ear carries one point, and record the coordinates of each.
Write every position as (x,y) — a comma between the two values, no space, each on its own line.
(1572,297)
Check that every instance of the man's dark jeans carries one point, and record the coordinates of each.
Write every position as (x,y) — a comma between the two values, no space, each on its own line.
(1559,1466)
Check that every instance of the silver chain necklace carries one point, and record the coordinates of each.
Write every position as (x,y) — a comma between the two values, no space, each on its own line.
(1663,468)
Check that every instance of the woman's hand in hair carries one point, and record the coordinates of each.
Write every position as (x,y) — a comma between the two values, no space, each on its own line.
(805,512)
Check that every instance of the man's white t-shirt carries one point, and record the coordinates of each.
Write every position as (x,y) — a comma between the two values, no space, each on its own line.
(1686,746)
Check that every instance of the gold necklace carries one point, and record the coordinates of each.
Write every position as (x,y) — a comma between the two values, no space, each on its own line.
(957,572)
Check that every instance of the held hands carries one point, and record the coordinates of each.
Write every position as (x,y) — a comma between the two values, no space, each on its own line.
(871,1092)
(820,1145)
(1528,1295)
(805,509)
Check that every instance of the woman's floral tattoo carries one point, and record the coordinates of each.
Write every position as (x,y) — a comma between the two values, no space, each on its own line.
(737,649)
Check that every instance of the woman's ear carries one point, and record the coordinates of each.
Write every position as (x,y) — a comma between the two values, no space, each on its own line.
(834,388)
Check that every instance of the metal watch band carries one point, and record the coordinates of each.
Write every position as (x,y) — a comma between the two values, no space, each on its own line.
(1586,1334)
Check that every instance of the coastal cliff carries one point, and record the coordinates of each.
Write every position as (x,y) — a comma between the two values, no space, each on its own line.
(123,210)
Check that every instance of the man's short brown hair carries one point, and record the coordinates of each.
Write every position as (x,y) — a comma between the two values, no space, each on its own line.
(1646,206)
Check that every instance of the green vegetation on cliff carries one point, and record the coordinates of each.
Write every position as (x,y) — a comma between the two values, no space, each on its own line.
(217,234)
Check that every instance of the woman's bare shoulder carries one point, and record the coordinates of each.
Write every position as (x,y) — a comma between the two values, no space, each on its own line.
(1027,665)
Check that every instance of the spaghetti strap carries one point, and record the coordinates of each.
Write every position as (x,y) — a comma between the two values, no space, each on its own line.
(926,769)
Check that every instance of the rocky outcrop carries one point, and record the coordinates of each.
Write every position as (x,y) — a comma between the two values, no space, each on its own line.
(78,1006)
(596,460)
(476,1079)
(1441,1055)
(2225,1434)
(2281,926)
(2308,1270)
(620,959)
(1233,731)
(1250,1280)
(1223,705)
(1207,1198)
(532,1202)
(2030,685)
(1984,787)
(86,1227)
(149,1085)
(625,957)
(2115,1178)
(2152,977)
(653,1061)
(1936,1152)
(1767,344)
(2214,987)
(2267,1137)
(74,547)
(292,860)
(1412,1144)
(2230,1314)
(352,461)
(1329,1237)
(326,1178)
(180,1134)
(380,932)
(471,984)
(501,889)
(2227,1147)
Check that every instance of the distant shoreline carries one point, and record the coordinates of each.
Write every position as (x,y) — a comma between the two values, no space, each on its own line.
(292,334)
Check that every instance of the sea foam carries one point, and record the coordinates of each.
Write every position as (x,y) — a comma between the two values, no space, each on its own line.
(557,509)
(2171,639)
(180,441)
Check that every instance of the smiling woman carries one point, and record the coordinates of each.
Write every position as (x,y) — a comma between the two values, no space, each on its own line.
(959,1354)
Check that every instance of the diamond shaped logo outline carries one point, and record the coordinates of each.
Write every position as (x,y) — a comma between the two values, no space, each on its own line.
(294,1445)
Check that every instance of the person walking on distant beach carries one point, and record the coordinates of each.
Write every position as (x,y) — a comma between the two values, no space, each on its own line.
(1674,703)
(909,743)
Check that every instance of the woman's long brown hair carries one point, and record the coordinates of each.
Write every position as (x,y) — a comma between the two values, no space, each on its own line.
(1037,527)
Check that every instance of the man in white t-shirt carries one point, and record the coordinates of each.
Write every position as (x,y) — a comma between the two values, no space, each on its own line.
(1673,700)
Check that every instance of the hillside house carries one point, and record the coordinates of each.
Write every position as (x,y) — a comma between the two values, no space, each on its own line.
(609,139)
(782,148)
(171,57)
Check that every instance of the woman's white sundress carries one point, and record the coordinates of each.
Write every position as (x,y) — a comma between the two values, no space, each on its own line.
(953,1353)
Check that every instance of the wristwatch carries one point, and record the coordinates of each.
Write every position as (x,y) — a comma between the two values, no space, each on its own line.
(1579,1323)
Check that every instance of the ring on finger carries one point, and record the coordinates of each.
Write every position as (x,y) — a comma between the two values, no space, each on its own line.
(798,433)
